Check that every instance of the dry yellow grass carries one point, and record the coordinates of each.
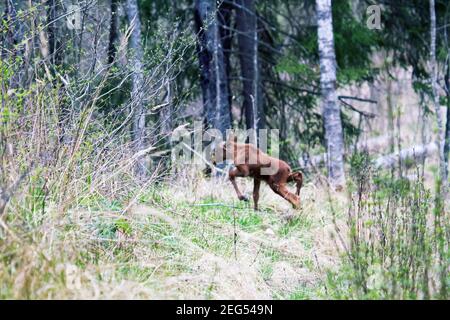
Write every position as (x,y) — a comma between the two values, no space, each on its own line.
(177,241)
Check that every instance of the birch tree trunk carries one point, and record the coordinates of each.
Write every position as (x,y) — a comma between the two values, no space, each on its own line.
(214,80)
(330,109)
(137,78)
(247,29)
(435,89)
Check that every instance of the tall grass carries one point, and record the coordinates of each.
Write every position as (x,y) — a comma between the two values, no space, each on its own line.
(398,236)
(65,150)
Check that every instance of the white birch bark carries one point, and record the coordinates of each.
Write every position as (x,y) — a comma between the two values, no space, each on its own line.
(435,89)
(330,108)
(136,62)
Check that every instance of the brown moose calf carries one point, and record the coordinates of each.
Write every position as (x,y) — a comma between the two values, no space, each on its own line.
(250,161)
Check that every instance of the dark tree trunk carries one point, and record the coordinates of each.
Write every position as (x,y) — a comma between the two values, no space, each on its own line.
(7,37)
(447,123)
(14,33)
(51,29)
(214,80)
(246,25)
(226,37)
(52,51)
(113,32)
(55,51)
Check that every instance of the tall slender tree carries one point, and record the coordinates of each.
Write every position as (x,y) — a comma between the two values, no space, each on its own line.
(435,90)
(226,32)
(214,80)
(113,31)
(331,113)
(51,30)
(247,30)
(447,123)
(137,78)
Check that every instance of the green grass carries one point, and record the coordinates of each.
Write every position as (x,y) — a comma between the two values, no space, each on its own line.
(313,291)
(238,215)
(298,224)
(166,237)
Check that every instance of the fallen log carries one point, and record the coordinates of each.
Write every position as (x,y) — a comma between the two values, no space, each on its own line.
(413,154)
(372,145)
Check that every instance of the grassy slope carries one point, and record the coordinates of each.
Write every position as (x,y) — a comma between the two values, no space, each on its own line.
(191,239)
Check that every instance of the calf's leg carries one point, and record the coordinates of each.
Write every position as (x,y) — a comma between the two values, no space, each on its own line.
(256,185)
(282,190)
(237,173)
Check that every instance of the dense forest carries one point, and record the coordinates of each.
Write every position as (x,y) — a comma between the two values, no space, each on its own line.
(113,113)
